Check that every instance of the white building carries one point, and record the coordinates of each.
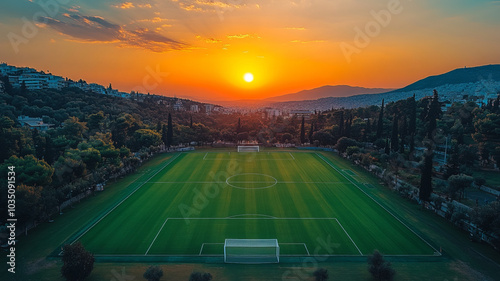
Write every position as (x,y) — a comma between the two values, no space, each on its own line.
(208,108)
(33,123)
(98,89)
(195,108)
(34,81)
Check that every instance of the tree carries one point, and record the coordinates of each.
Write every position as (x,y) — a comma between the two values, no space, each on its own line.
(387,147)
(77,262)
(198,276)
(321,274)
(170,131)
(29,170)
(153,273)
(425,189)
(164,130)
(380,124)
(146,138)
(379,268)
(238,126)
(311,132)
(341,124)
(458,183)
(343,143)
(433,113)
(324,137)
(302,131)
(395,134)
(73,128)
(412,126)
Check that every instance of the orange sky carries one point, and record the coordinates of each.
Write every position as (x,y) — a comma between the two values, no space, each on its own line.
(202,48)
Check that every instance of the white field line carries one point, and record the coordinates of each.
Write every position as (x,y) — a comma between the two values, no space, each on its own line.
(291,155)
(205,156)
(203,245)
(156,236)
(355,184)
(105,215)
(304,244)
(349,237)
(307,250)
(262,218)
(218,182)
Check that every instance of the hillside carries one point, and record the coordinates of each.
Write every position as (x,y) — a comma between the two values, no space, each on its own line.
(483,82)
(457,76)
(325,92)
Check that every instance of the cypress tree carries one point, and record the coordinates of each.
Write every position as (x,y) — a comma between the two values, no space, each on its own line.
(311,132)
(302,131)
(238,127)
(433,113)
(425,189)
(341,124)
(191,122)
(170,131)
(380,125)
(395,134)
(387,148)
(403,133)
(412,127)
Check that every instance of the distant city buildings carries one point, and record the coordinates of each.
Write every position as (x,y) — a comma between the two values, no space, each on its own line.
(35,80)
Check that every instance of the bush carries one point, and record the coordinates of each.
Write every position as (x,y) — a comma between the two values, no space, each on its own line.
(379,268)
(153,273)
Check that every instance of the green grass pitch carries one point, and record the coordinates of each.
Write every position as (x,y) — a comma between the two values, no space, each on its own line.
(197,200)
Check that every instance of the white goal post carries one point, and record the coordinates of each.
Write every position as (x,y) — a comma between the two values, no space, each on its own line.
(248,148)
(253,251)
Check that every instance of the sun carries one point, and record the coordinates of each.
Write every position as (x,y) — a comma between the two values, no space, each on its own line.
(248,77)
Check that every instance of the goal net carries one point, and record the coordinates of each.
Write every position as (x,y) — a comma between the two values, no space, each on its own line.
(251,251)
(248,148)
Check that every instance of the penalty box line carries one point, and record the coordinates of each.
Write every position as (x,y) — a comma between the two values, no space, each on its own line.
(261,218)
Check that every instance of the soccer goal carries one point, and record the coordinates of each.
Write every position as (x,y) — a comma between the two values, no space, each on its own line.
(248,148)
(251,251)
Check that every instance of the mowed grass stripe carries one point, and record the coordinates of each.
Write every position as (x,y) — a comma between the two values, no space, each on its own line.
(392,236)
(187,239)
(200,189)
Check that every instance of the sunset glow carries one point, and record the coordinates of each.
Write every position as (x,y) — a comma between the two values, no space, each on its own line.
(201,49)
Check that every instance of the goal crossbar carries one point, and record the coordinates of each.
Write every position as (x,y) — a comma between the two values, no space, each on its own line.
(251,251)
(248,148)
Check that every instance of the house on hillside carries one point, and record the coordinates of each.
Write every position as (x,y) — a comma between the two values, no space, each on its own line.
(33,123)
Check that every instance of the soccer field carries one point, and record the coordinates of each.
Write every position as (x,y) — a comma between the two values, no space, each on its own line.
(197,200)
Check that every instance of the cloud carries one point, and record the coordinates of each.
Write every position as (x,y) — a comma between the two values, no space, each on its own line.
(307,42)
(125,5)
(242,36)
(151,40)
(208,5)
(209,40)
(97,29)
(153,20)
(295,28)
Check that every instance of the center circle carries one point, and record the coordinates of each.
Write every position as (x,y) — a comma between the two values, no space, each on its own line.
(251,181)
